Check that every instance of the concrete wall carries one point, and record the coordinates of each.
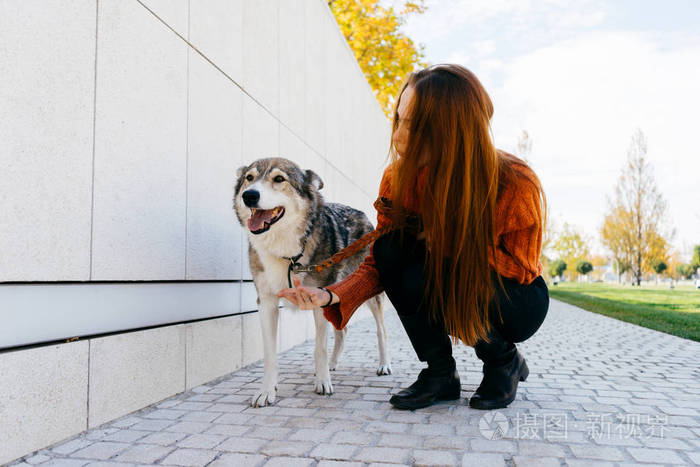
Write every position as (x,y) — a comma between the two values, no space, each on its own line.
(122,123)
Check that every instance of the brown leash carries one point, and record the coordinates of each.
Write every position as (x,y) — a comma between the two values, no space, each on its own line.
(383,206)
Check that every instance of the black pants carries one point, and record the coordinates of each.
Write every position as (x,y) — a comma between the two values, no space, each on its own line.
(401,271)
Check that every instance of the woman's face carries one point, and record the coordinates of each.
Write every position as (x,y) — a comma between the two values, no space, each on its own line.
(400,136)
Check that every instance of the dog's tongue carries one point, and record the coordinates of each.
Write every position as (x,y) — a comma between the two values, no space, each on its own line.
(258,219)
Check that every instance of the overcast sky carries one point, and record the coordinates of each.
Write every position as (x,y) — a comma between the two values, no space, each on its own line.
(580,77)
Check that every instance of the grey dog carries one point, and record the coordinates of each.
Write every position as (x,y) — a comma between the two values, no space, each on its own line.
(280,207)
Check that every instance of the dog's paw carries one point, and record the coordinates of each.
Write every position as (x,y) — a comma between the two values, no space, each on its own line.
(263,398)
(323,386)
(384,369)
(332,366)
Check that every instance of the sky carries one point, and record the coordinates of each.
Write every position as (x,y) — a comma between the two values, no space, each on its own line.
(580,77)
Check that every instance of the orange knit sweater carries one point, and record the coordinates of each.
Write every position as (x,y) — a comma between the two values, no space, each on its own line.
(518,230)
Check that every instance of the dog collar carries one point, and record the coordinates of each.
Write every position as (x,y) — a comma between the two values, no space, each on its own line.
(294,264)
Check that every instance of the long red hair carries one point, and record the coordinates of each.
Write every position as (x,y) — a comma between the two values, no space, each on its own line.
(462,173)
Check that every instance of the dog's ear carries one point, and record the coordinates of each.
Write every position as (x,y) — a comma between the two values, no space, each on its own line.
(240,171)
(313,179)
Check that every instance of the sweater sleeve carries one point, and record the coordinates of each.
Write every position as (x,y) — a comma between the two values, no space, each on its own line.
(363,283)
(353,291)
(519,242)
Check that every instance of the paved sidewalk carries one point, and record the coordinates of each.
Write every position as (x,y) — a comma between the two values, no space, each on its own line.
(600,392)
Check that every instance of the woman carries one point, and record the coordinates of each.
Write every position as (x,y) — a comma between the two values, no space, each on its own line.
(469,267)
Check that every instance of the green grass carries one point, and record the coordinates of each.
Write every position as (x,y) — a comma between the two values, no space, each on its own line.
(674,311)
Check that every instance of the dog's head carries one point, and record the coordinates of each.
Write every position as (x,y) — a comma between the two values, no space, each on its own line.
(274,193)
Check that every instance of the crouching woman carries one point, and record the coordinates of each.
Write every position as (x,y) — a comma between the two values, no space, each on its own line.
(464,258)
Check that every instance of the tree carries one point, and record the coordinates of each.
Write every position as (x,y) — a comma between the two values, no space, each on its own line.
(658,251)
(638,213)
(616,235)
(696,257)
(571,245)
(383,52)
(673,262)
(583,267)
(685,270)
(557,268)
(621,267)
(659,268)
(598,263)
(548,235)
(546,262)
(524,147)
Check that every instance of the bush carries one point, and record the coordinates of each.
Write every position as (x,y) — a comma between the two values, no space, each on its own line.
(583,267)
(659,267)
(557,268)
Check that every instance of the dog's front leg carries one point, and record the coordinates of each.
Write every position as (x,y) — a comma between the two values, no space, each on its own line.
(322,382)
(269,317)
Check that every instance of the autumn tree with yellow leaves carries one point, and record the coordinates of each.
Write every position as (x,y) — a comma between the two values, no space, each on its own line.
(617,234)
(384,53)
(636,229)
(572,246)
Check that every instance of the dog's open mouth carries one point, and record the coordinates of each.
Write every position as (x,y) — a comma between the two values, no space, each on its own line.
(262,219)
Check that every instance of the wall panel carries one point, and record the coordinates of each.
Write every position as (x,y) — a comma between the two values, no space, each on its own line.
(140,147)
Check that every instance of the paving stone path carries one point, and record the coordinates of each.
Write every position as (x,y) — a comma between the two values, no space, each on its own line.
(600,392)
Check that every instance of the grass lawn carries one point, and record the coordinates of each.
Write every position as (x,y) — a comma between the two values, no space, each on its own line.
(674,311)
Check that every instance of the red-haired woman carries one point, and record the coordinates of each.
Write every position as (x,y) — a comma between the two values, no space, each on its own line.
(470,269)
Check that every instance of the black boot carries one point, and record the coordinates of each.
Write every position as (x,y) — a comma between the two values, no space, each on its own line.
(401,270)
(503,368)
(440,381)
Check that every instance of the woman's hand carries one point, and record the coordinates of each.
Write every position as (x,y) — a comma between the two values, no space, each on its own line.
(306,298)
